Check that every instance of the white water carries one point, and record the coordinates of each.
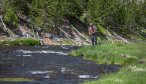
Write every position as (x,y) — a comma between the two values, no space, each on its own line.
(40,72)
(87,76)
(43,52)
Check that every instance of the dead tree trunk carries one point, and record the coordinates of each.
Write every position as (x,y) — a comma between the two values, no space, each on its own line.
(5,29)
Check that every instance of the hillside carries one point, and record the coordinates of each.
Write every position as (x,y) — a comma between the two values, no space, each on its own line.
(115,20)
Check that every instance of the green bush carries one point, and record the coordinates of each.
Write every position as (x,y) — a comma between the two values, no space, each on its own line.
(11,18)
(22,41)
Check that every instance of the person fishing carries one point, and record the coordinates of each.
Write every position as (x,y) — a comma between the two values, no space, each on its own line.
(93,33)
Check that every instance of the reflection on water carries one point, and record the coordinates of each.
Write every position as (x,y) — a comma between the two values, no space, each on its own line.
(49,65)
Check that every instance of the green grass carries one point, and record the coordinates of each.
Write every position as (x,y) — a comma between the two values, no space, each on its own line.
(133,74)
(16,79)
(119,53)
(22,41)
(127,55)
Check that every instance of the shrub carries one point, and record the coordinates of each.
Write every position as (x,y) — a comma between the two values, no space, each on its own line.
(22,41)
(11,18)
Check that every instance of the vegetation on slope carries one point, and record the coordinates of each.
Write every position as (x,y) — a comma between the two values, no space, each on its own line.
(125,17)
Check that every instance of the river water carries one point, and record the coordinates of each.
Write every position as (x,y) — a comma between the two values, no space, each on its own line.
(48,65)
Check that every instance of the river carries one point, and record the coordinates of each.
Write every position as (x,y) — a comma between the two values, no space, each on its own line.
(48,65)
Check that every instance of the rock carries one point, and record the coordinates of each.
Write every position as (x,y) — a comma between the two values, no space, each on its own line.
(128,56)
(124,55)
(48,35)
(142,61)
(47,41)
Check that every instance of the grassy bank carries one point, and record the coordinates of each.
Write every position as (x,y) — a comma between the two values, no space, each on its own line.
(131,56)
(21,41)
(16,80)
(133,74)
(123,54)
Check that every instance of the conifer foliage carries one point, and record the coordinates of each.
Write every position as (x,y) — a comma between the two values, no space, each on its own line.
(121,16)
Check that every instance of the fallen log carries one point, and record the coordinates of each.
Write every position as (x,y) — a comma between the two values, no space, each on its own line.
(120,37)
(79,34)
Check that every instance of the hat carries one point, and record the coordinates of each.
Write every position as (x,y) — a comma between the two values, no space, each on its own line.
(91,24)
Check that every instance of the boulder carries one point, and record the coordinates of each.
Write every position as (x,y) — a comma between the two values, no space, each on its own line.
(47,41)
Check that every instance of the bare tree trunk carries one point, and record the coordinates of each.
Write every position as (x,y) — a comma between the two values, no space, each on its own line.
(6,30)
(79,34)
(119,37)
(65,33)
(4,26)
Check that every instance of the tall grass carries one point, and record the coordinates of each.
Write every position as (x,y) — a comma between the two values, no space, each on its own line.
(118,53)
(22,41)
